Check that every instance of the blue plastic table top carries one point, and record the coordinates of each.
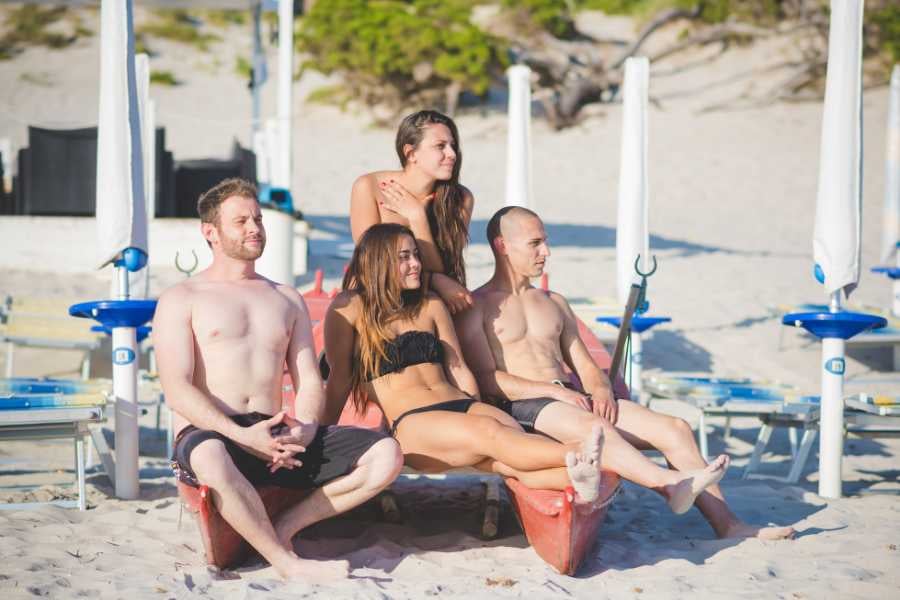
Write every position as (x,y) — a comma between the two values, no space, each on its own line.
(892,272)
(843,325)
(639,324)
(116,313)
(142,332)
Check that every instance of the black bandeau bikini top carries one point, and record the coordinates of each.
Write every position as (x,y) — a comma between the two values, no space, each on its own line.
(410,348)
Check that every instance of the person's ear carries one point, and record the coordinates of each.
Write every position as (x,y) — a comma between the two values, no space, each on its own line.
(209,231)
(408,151)
(500,245)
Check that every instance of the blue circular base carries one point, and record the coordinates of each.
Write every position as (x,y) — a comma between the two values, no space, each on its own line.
(638,324)
(142,331)
(843,325)
(892,272)
(116,313)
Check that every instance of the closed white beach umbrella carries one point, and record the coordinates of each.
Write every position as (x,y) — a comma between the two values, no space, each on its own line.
(837,237)
(121,212)
(836,242)
(518,141)
(632,236)
(121,227)
(891,231)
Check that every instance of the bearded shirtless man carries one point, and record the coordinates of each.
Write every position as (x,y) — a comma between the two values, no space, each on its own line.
(222,339)
(522,342)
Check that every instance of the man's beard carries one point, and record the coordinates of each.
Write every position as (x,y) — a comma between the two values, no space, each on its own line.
(234,248)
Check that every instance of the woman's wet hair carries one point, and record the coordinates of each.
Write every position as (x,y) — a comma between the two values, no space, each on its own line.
(445,211)
(373,274)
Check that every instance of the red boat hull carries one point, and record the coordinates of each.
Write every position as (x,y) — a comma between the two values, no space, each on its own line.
(224,547)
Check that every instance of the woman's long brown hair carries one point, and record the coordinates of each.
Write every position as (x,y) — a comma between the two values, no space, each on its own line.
(373,274)
(445,211)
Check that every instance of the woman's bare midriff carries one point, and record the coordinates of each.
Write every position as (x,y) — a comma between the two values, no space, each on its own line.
(414,387)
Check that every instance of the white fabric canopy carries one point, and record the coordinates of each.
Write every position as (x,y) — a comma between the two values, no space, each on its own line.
(836,242)
(891,231)
(632,235)
(121,213)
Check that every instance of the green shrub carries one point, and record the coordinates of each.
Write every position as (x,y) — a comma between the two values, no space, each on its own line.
(177,26)
(400,53)
(554,16)
(163,78)
(27,26)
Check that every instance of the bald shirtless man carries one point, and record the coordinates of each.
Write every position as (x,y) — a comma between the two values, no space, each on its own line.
(222,339)
(522,342)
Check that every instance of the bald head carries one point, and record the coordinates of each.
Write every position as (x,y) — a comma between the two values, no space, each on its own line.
(508,222)
(519,242)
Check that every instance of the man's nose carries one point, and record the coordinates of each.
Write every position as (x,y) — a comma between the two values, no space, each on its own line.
(545,250)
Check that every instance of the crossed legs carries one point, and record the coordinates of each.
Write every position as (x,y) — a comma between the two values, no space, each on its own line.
(639,428)
(240,505)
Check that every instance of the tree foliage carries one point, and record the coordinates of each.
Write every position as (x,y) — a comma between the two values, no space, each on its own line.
(400,54)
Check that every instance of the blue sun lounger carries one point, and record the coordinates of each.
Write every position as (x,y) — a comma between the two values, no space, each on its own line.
(49,409)
(774,404)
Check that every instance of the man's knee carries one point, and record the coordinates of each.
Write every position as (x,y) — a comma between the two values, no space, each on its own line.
(382,463)
(678,433)
(211,462)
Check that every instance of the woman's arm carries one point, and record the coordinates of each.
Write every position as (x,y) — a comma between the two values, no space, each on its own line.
(454,365)
(340,336)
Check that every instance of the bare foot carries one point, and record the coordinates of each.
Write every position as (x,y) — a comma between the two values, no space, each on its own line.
(295,568)
(682,494)
(743,530)
(584,467)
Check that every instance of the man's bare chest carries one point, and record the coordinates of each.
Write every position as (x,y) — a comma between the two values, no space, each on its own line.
(260,319)
(533,317)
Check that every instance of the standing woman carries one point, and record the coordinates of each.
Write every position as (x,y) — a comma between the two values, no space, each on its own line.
(426,197)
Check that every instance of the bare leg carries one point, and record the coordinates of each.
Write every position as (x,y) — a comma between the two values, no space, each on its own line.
(442,439)
(375,470)
(241,506)
(674,437)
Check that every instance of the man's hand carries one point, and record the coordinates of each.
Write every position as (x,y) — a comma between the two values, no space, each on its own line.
(572,397)
(455,296)
(606,406)
(291,434)
(259,440)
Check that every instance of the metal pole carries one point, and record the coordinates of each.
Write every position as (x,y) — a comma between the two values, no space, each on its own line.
(124,341)
(831,423)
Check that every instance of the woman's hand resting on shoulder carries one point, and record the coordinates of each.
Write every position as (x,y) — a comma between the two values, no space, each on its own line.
(455,296)
(396,198)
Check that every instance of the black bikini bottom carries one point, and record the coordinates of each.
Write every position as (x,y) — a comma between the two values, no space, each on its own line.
(460,406)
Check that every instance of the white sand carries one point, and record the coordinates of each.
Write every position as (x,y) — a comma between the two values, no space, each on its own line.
(732,196)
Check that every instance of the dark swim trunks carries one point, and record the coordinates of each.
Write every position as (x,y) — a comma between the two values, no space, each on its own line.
(332,454)
(526,412)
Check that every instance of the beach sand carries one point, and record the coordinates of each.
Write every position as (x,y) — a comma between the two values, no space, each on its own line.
(732,197)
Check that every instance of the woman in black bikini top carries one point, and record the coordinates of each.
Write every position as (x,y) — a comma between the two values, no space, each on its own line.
(390,342)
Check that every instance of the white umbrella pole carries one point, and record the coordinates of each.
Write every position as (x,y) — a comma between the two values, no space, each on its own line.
(125,372)
(518,141)
(831,424)
(285,88)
